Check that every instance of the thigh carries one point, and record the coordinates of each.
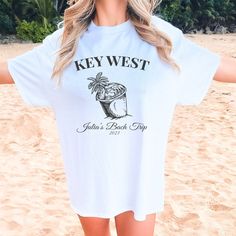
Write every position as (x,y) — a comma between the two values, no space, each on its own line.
(126,225)
(95,226)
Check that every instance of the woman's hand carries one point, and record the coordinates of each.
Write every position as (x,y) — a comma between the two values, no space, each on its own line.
(226,71)
(5,77)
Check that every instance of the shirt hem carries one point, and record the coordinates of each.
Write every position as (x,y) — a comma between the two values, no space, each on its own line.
(115,213)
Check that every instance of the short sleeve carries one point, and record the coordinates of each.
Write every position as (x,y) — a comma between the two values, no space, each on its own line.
(31,71)
(198,65)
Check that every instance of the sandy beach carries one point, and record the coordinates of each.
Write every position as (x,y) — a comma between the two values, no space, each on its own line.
(200,195)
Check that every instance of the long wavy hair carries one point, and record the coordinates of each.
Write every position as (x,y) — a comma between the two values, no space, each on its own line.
(78,16)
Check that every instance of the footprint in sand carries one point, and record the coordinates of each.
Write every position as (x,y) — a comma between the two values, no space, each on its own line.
(220,207)
(191,220)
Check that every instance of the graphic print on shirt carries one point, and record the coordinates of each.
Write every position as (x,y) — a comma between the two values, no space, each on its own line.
(112,96)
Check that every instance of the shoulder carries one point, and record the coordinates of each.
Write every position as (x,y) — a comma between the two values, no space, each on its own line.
(172,31)
(53,39)
(165,26)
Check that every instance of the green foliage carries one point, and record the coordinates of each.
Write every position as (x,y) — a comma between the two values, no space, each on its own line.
(60,6)
(6,18)
(198,14)
(33,31)
(177,12)
(42,11)
(41,14)
(185,14)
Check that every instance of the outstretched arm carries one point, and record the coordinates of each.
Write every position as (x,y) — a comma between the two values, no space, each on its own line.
(226,71)
(5,77)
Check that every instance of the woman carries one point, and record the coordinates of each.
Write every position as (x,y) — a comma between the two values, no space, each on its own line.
(124,70)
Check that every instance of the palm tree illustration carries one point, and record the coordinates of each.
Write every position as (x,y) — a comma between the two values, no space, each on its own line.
(112,96)
(98,85)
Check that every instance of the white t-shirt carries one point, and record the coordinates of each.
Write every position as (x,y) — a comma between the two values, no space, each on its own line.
(114,110)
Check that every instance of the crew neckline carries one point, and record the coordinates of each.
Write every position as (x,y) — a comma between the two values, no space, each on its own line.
(124,26)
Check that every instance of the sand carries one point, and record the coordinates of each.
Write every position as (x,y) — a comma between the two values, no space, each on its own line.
(200,163)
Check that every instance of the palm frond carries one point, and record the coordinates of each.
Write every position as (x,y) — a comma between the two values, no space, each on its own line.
(103,83)
(91,78)
(94,88)
(104,80)
(98,75)
(90,85)
(103,77)
(98,83)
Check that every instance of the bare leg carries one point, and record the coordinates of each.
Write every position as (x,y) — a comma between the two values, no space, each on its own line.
(95,226)
(126,225)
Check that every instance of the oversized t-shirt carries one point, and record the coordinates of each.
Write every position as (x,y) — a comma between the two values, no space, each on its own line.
(113,111)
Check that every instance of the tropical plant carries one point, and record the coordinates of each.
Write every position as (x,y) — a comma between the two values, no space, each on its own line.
(98,85)
(177,12)
(112,96)
(42,11)
(185,14)
(104,89)
(60,6)
(7,23)
(33,31)
(198,14)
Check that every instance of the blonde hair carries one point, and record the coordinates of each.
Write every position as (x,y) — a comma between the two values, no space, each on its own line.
(79,14)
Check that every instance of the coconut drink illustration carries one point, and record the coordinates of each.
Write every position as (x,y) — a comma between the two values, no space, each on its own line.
(112,96)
